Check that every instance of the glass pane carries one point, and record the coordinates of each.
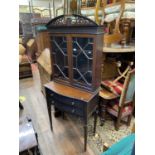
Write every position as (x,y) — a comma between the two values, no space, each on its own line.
(59,52)
(82,59)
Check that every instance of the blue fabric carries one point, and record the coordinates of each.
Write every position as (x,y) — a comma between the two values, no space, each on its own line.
(124,147)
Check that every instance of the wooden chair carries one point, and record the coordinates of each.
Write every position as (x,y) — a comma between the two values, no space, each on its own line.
(122,106)
(118,14)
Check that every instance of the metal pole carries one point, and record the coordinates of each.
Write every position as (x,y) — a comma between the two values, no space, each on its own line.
(53,8)
(30,7)
(65,7)
(50,10)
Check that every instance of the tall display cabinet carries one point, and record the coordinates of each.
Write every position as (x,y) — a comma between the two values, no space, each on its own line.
(76,45)
(76,52)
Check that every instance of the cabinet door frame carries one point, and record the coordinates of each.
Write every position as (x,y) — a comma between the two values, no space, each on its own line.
(62,80)
(70,81)
(76,83)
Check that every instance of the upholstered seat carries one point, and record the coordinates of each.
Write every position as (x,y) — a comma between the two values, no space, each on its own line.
(123,106)
(90,13)
(126,15)
(111,12)
(115,88)
(114,109)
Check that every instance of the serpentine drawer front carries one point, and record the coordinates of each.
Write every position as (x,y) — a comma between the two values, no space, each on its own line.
(71,100)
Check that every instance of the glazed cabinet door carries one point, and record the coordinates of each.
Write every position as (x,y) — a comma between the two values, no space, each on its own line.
(60,57)
(82,55)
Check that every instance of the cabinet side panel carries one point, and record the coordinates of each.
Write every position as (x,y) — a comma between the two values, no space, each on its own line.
(98,58)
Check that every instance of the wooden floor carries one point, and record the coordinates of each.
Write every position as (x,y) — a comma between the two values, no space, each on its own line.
(66,139)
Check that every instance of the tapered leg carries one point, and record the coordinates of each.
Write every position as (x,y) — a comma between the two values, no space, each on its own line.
(85,137)
(63,115)
(21,106)
(117,125)
(85,132)
(129,119)
(50,115)
(103,106)
(95,120)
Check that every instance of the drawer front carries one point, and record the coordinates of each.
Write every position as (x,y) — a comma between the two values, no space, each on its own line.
(65,104)
(66,108)
(63,99)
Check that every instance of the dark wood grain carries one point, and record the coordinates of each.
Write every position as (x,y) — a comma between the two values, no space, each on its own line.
(69,91)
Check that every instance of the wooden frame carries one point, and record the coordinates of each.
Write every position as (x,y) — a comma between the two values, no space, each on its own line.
(83,30)
(123,102)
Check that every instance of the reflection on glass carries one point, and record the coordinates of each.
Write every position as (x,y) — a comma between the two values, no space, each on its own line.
(82,59)
(59,52)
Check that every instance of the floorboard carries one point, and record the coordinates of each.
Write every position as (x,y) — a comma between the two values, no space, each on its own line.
(66,138)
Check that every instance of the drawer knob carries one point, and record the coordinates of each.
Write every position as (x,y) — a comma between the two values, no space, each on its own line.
(73,111)
(73,103)
(52,102)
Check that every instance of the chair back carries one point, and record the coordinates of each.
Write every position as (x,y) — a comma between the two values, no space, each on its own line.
(128,92)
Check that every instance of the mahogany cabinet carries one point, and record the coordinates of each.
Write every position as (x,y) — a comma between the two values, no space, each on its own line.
(76,51)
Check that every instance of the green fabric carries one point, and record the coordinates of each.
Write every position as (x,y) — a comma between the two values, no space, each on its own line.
(123,147)
(131,89)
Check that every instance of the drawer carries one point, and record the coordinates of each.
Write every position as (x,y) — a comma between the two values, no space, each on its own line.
(63,99)
(67,108)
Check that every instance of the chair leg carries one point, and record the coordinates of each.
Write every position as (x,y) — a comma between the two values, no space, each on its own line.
(129,120)
(117,125)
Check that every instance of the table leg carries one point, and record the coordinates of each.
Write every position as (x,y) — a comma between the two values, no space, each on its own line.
(103,106)
(21,106)
(50,115)
(95,120)
(85,135)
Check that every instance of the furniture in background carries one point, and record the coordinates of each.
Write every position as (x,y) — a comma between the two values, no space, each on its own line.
(25,19)
(42,39)
(25,69)
(120,107)
(31,50)
(28,139)
(39,24)
(24,63)
(45,69)
(71,100)
(119,17)
(76,48)
(92,10)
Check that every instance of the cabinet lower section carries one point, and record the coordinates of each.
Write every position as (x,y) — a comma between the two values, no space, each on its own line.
(82,106)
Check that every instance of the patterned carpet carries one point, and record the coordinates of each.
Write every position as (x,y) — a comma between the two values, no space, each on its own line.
(104,134)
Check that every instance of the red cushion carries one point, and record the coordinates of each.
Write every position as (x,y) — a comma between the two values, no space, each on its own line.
(116,87)
(114,110)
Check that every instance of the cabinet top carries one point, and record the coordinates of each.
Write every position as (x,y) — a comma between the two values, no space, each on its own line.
(69,91)
(73,24)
